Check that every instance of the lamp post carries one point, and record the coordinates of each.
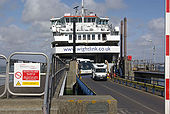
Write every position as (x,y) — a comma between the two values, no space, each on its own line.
(153,53)
(151,48)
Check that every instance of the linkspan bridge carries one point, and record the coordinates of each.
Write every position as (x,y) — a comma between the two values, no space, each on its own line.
(57,88)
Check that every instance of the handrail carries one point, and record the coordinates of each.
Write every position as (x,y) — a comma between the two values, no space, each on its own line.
(5,86)
(63,85)
(52,83)
(59,59)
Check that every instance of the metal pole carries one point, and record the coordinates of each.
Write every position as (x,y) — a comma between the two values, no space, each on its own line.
(125,48)
(82,11)
(121,41)
(125,36)
(121,48)
(74,39)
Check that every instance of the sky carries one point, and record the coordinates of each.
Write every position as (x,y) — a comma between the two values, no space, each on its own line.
(25,25)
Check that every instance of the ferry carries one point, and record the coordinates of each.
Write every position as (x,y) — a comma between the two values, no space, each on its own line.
(96,38)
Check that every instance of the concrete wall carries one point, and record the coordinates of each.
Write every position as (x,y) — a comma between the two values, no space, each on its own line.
(84,105)
(71,76)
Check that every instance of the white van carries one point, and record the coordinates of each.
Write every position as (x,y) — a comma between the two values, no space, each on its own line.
(85,66)
(99,71)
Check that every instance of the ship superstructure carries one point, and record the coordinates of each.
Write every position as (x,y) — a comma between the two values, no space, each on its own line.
(95,38)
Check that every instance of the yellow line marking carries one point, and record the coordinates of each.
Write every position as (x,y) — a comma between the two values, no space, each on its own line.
(130,99)
(70,100)
(80,101)
(93,101)
(109,101)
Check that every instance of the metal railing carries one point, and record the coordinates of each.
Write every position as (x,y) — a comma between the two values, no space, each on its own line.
(4,76)
(154,85)
(57,71)
(9,73)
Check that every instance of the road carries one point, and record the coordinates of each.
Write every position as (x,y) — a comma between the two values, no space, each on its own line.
(130,100)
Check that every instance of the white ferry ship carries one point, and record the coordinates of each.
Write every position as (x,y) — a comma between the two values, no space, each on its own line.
(96,39)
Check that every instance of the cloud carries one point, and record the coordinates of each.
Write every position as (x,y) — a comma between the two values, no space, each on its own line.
(101,8)
(115,4)
(43,10)
(15,39)
(2,2)
(142,48)
(37,35)
(157,25)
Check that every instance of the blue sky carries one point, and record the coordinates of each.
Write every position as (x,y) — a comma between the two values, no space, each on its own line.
(24,24)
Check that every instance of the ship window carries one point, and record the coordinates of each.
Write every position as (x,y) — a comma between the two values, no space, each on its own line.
(67,20)
(100,22)
(85,20)
(88,36)
(53,22)
(104,36)
(89,19)
(79,37)
(71,19)
(107,21)
(70,37)
(58,22)
(76,37)
(103,22)
(76,19)
(93,19)
(84,37)
(98,36)
(93,36)
(80,20)
(54,33)
(116,33)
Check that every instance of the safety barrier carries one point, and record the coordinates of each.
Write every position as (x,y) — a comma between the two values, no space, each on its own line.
(9,76)
(3,76)
(12,73)
(57,71)
(139,84)
(85,88)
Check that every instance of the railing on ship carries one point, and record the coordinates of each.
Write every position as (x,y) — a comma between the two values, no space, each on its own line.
(57,71)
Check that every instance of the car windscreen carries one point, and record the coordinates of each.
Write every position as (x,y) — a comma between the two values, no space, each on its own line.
(86,65)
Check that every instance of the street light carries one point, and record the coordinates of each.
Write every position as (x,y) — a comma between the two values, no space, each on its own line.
(153,53)
(151,48)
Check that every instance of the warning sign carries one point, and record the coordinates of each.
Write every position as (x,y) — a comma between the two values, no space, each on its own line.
(30,75)
(26,74)
(18,84)
(18,75)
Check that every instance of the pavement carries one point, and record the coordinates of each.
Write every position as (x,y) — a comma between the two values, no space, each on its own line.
(130,100)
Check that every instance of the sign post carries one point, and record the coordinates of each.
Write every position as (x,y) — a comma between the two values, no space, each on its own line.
(167,57)
(26,74)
